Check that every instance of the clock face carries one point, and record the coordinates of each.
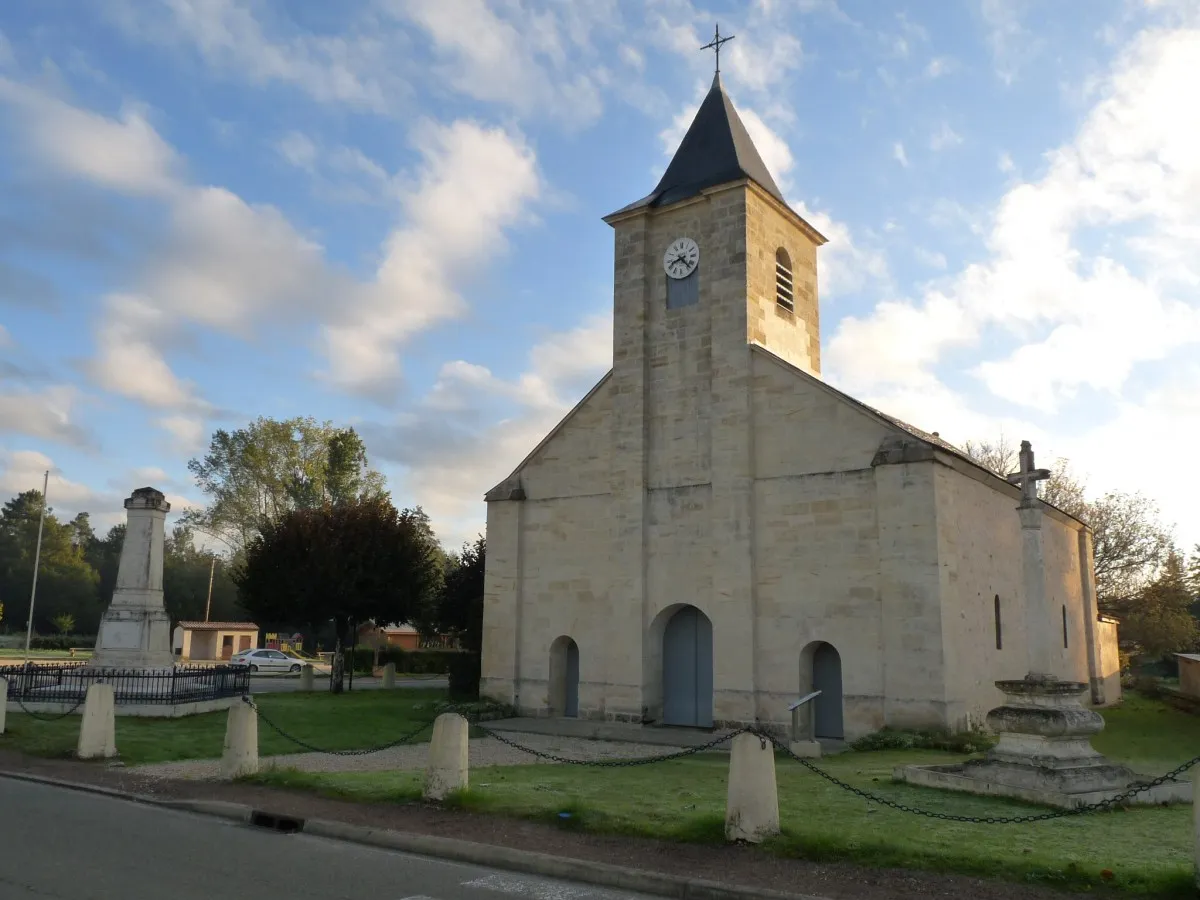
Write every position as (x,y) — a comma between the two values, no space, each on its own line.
(681,258)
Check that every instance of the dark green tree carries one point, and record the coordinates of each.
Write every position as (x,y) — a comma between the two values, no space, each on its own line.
(459,610)
(1159,619)
(66,582)
(349,562)
(186,574)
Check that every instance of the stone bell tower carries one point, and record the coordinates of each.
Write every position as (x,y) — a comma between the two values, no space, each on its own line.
(710,263)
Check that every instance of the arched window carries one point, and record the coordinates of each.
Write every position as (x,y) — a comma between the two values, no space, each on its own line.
(784,295)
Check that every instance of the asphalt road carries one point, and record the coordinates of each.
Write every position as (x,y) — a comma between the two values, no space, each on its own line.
(276,683)
(58,843)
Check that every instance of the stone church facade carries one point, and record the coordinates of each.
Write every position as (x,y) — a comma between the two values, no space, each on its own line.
(714,532)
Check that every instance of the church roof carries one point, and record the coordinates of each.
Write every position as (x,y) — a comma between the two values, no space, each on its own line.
(716,149)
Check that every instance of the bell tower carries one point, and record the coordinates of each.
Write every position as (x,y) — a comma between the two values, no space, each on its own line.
(708,264)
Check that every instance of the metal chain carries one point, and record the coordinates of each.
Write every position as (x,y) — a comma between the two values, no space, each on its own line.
(43,718)
(988,820)
(612,763)
(404,739)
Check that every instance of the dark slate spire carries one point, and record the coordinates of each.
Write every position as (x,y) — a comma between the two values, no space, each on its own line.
(716,149)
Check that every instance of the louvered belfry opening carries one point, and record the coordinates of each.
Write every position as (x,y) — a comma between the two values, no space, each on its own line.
(784,295)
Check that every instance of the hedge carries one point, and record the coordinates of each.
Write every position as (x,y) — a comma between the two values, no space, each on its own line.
(408,662)
(62,641)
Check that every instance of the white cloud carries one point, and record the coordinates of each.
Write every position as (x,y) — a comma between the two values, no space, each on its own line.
(773,149)
(1011,43)
(899,155)
(7,57)
(23,470)
(45,414)
(357,68)
(489,171)
(1050,313)
(844,266)
(939,66)
(126,155)
(188,435)
(448,471)
(1006,164)
(944,138)
(298,149)
(632,57)
(5,338)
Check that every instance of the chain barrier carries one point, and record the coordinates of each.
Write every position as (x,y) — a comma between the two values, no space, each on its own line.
(404,739)
(40,717)
(613,763)
(988,820)
(473,717)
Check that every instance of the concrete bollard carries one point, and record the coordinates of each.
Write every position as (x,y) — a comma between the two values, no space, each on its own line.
(752,805)
(3,702)
(306,677)
(447,767)
(389,675)
(240,755)
(1196,819)
(98,730)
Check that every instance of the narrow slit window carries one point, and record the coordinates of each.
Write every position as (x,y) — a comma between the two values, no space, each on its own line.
(1064,625)
(999,634)
(784,292)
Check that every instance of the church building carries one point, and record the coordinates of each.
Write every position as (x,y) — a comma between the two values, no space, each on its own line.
(714,532)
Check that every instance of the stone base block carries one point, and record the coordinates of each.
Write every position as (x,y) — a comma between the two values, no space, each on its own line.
(995,782)
(97,730)
(447,768)
(806,749)
(134,638)
(752,804)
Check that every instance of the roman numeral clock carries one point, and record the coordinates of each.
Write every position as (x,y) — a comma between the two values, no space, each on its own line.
(679,262)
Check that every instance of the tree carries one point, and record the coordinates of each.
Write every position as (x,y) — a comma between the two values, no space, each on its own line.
(186,575)
(354,561)
(460,601)
(64,623)
(66,581)
(258,474)
(1129,542)
(1159,619)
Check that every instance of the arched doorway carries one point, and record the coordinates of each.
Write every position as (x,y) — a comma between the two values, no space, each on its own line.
(687,667)
(827,678)
(564,677)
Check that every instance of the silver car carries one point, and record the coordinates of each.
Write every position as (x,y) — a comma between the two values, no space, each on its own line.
(266,661)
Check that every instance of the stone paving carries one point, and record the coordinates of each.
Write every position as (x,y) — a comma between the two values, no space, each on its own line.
(484,751)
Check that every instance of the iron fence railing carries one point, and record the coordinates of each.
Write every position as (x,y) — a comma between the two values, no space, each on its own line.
(68,683)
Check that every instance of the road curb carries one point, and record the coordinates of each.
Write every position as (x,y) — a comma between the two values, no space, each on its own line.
(453,849)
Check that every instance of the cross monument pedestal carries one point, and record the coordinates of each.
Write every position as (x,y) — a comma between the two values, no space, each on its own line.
(1044,752)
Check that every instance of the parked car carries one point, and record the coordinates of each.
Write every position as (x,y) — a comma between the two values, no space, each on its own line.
(266,661)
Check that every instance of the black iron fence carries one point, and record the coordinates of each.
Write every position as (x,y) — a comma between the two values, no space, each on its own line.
(68,683)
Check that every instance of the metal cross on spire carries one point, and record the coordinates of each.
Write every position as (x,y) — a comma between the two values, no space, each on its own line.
(1028,477)
(716,43)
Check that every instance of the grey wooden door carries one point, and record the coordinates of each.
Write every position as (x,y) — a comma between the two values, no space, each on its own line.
(571,701)
(827,707)
(688,669)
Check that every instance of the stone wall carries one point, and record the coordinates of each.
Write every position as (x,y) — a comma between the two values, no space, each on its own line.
(1110,661)
(980,551)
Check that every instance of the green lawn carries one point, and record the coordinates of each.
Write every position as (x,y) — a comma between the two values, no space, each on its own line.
(10,657)
(1148,851)
(352,721)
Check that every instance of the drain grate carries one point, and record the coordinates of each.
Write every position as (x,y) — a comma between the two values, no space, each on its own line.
(272,822)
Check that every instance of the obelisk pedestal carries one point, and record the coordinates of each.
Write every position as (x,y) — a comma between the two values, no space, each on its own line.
(135,631)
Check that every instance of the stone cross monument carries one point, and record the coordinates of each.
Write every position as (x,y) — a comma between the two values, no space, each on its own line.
(1044,752)
(1044,658)
(135,631)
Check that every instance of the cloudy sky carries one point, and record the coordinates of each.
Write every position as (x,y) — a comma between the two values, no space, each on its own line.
(387,213)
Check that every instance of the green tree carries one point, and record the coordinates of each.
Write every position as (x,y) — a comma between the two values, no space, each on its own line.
(104,555)
(353,561)
(66,580)
(459,609)
(186,574)
(1130,543)
(64,623)
(258,474)
(1159,620)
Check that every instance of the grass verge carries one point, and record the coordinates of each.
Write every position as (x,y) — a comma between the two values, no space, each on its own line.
(351,721)
(1144,852)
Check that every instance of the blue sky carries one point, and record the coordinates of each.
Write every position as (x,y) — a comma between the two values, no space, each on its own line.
(388,213)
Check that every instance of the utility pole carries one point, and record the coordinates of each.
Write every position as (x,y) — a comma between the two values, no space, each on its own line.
(37,559)
(208,603)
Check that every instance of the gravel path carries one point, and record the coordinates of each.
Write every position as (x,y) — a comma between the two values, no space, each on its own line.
(481,752)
